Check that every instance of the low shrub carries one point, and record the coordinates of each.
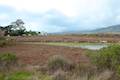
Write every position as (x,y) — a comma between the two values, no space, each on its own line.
(58,62)
(44,77)
(2,41)
(7,60)
(2,38)
(85,69)
(2,76)
(6,41)
(107,59)
(60,75)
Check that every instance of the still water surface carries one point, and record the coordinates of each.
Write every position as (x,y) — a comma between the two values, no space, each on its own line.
(93,47)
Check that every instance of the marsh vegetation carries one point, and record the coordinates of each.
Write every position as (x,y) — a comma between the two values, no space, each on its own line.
(59,61)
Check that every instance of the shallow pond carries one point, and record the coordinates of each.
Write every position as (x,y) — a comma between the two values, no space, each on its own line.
(91,46)
(94,47)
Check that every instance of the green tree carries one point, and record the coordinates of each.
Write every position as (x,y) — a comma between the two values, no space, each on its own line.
(17,28)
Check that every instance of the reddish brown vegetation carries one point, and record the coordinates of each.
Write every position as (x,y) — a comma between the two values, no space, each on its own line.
(39,54)
(69,38)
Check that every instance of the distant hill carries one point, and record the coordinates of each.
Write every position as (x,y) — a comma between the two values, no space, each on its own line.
(110,29)
(115,29)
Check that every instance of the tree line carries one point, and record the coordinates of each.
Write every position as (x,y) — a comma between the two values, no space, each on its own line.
(17,28)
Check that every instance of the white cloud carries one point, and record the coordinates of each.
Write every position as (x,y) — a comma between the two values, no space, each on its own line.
(70,8)
(117,19)
(32,26)
(71,14)
(3,16)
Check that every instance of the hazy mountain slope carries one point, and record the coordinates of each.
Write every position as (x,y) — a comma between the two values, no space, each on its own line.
(110,29)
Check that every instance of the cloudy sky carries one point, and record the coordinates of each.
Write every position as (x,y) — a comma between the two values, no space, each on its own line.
(61,15)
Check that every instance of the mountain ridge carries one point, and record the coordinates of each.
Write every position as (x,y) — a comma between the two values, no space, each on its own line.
(109,29)
(114,29)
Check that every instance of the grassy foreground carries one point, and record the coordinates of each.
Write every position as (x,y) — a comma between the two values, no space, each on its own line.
(105,65)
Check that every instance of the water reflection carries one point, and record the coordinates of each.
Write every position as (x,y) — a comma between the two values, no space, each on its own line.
(93,47)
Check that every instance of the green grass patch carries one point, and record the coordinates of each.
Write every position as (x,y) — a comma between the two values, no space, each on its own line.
(2,76)
(20,75)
